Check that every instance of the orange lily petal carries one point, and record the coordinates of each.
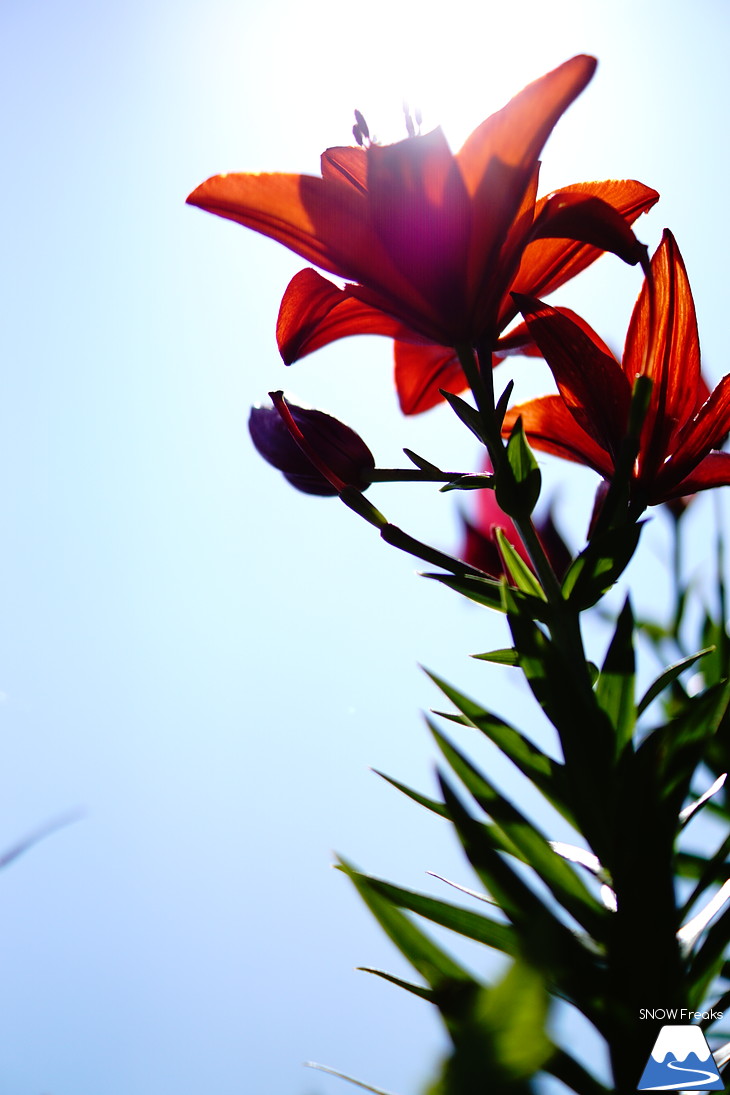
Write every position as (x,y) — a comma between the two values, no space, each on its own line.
(712,471)
(549,263)
(705,431)
(420,371)
(591,381)
(314,312)
(551,427)
(420,212)
(674,364)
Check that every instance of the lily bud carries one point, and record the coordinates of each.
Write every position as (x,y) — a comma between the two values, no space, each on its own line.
(337,447)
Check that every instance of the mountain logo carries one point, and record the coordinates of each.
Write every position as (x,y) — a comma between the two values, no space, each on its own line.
(681,1060)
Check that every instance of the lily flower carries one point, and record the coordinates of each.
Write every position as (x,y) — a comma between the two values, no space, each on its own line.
(587,421)
(431,242)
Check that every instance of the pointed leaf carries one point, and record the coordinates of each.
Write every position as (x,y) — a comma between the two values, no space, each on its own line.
(482,590)
(435,966)
(530,844)
(669,676)
(469,415)
(505,656)
(519,572)
(548,775)
(615,687)
(464,922)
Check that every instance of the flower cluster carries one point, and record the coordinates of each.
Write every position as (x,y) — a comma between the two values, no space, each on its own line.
(451,256)
(443,251)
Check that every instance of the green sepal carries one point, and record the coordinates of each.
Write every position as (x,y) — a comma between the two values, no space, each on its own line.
(519,479)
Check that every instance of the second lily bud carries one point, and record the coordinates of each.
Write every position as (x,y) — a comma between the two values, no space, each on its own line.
(337,457)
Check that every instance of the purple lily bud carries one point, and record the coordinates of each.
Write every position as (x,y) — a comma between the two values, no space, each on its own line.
(337,447)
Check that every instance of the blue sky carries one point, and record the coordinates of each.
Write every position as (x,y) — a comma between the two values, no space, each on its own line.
(201,662)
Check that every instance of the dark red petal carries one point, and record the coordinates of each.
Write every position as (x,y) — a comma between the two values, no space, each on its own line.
(590,379)
(551,427)
(704,432)
(671,357)
(713,471)
(419,373)
(587,218)
(549,263)
(420,212)
(314,312)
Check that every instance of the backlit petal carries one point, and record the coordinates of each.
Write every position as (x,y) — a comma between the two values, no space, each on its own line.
(548,263)
(419,373)
(590,379)
(674,364)
(314,312)
(551,427)
(713,471)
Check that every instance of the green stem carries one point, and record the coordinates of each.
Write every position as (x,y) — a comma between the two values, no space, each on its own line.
(413,475)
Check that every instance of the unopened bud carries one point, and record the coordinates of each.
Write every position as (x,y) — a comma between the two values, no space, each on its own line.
(337,448)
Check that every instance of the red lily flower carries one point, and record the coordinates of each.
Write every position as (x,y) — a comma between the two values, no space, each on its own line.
(433,241)
(587,421)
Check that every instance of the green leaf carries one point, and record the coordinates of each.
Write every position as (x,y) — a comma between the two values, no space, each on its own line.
(417,990)
(543,939)
(709,958)
(615,687)
(530,845)
(463,921)
(422,800)
(421,463)
(469,415)
(435,966)
(669,676)
(574,1075)
(482,481)
(349,1079)
(546,774)
(484,591)
(502,404)
(562,686)
(521,574)
(519,479)
(506,656)
(600,565)
(670,753)
(514,1012)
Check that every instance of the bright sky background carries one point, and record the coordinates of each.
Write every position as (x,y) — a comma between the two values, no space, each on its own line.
(199,660)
